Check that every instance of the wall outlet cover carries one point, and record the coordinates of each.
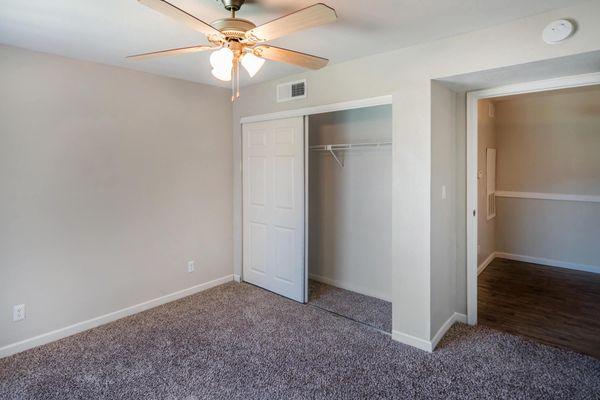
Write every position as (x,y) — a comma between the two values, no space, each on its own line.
(191,266)
(18,312)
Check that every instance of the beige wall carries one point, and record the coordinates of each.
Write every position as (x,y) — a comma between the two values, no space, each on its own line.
(110,181)
(486,138)
(407,75)
(550,143)
(443,206)
(350,208)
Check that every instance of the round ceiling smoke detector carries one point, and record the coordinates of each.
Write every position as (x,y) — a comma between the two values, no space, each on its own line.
(557,31)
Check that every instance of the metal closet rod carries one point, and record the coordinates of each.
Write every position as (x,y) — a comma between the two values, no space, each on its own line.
(345,146)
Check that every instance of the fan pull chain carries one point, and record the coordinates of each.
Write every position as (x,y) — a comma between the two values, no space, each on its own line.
(232,88)
(237,78)
(235,81)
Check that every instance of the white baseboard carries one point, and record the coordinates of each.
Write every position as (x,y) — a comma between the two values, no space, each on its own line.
(413,341)
(103,319)
(456,317)
(237,278)
(549,262)
(347,286)
(485,263)
(429,345)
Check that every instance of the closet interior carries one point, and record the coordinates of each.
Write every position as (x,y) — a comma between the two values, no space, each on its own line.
(349,214)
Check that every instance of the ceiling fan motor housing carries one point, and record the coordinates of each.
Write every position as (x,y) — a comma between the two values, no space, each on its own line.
(233,28)
(233,5)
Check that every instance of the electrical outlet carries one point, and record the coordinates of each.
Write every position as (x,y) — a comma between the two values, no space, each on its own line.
(18,312)
(191,267)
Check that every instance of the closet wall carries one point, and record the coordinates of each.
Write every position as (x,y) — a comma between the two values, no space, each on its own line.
(549,143)
(350,208)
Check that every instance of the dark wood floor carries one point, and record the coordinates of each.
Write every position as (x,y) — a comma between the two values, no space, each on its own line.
(555,306)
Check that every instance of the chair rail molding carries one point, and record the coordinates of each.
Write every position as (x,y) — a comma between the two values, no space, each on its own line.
(550,196)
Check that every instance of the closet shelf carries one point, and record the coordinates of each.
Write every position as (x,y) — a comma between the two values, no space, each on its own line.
(331,148)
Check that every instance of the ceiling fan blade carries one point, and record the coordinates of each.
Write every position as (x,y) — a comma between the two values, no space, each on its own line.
(290,57)
(178,14)
(170,52)
(308,17)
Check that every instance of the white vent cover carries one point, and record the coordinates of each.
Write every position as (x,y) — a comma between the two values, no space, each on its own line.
(291,91)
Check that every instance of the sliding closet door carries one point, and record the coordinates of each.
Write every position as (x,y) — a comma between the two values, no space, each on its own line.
(273,213)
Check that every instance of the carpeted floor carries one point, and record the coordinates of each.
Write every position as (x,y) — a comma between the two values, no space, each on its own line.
(365,309)
(237,341)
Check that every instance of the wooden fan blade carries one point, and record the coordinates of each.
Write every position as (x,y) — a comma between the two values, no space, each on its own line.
(178,14)
(290,57)
(171,52)
(308,17)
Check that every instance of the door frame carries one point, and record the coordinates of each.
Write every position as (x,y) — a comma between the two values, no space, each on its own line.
(305,112)
(472,118)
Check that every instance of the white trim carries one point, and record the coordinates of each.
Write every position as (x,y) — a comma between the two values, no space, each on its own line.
(347,286)
(456,317)
(413,341)
(346,105)
(472,99)
(472,208)
(61,333)
(237,278)
(549,262)
(563,82)
(550,196)
(486,262)
(306,204)
(429,345)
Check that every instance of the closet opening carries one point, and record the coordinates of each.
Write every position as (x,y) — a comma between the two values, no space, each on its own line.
(349,219)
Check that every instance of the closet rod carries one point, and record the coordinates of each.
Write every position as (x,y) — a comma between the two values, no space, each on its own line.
(331,148)
(346,146)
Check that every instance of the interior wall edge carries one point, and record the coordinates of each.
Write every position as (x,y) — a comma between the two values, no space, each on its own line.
(455,317)
(429,345)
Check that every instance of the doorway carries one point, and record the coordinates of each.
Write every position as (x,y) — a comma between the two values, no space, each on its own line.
(534,264)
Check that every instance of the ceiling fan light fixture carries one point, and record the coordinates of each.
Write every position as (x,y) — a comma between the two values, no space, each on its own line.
(252,64)
(222,64)
(221,58)
(239,41)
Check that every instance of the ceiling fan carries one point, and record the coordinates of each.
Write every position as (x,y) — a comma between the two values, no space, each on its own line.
(238,41)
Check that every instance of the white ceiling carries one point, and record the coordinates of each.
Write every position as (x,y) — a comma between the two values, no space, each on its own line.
(106,31)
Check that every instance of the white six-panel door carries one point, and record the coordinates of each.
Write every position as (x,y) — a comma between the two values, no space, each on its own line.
(273,211)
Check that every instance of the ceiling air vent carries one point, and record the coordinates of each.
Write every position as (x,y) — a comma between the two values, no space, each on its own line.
(291,91)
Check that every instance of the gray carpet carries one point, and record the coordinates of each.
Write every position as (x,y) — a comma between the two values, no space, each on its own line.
(365,309)
(237,341)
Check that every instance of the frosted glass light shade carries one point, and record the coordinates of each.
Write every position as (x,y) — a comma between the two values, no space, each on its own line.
(222,63)
(252,64)
(222,74)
